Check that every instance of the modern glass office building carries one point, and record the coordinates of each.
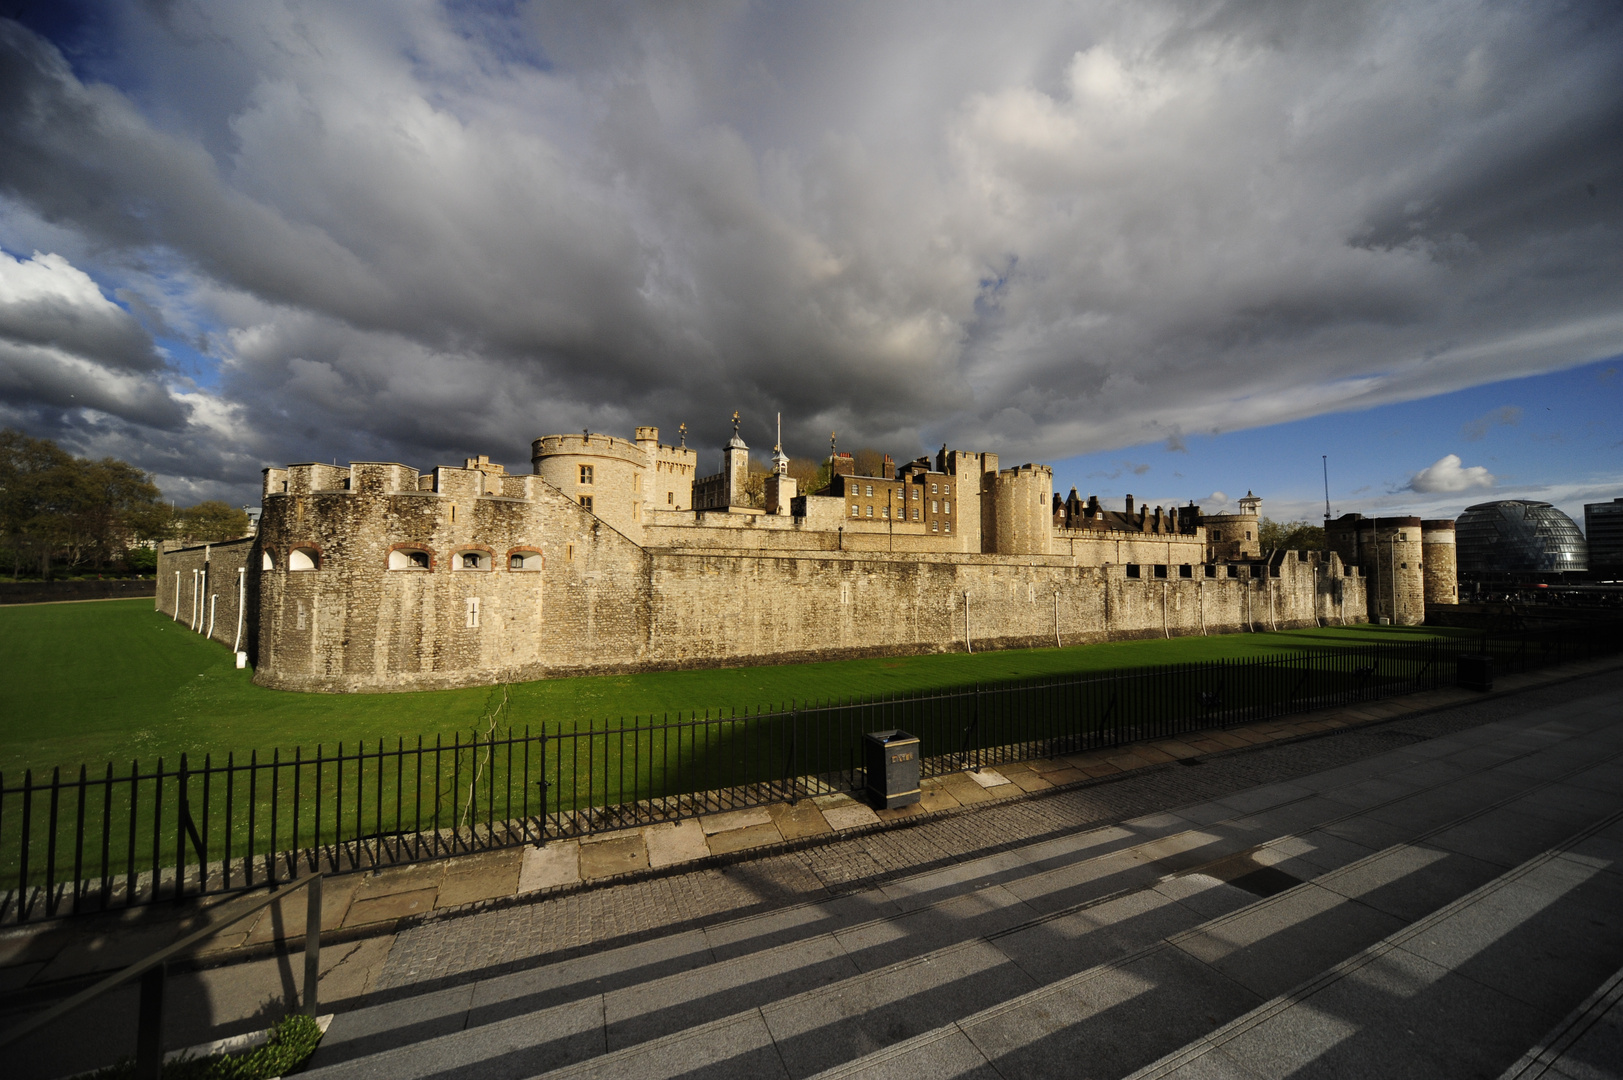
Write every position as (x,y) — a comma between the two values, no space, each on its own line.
(1603,525)
(1519,536)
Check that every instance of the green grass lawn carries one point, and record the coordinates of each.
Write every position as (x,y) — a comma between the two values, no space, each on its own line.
(89,682)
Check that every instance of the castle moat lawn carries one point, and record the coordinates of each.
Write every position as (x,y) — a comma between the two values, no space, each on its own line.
(84,683)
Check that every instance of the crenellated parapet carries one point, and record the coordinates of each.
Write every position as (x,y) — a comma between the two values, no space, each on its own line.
(377,576)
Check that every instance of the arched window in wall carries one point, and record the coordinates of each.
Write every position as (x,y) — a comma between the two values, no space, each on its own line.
(410,559)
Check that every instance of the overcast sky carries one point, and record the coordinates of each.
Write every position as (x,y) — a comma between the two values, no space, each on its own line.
(241,234)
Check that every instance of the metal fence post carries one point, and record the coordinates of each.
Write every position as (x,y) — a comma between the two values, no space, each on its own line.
(149,1028)
(312,944)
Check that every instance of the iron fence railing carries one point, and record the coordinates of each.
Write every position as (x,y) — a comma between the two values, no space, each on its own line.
(116,837)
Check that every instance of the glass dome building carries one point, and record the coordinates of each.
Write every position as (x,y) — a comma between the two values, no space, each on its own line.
(1518,535)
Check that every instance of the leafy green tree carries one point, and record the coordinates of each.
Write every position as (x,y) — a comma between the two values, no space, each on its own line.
(810,476)
(56,508)
(107,497)
(210,522)
(31,473)
(755,481)
(870,462)
(1290,535)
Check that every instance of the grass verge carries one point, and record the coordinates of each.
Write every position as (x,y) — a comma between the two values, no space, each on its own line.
(114,680)
(291,1042)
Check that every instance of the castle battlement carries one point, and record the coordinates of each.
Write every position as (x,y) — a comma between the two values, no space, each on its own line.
(589,444)
(612,554)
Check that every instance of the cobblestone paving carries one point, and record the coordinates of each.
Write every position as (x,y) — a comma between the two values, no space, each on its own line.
(450,950)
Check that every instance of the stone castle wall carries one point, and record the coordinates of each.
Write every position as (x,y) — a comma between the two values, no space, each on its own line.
(200,586)
(1391,553)
(587,598)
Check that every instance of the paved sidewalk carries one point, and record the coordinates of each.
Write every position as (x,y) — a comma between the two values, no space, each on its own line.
(1586,1045)
(1087,954)
(583,917)
(443,921)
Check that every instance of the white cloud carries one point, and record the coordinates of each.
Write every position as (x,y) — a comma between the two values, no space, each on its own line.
(433,229)
(1446,474)
(46,301)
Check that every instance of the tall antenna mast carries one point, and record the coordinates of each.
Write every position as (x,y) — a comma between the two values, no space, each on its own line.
(1326,459)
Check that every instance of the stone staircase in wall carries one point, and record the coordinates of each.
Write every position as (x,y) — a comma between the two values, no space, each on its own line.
(1451,908)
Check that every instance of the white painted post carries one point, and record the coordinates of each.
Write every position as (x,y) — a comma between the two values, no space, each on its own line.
(242,601)
(968,644)
(176,617)
(214,599)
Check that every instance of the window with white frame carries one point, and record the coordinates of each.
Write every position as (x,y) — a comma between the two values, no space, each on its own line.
(473,613)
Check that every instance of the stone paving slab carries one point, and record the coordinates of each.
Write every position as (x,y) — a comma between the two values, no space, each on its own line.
(961,922)
(1467,987)
(1133,920)
(1586,1045)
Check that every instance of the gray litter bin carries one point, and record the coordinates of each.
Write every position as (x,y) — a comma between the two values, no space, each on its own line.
(891,765)
(1475,671)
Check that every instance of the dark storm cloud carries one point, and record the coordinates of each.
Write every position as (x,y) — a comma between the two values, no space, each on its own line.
(65,346)
(417,231)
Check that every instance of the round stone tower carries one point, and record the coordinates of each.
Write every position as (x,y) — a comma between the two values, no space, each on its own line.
(1440,567)
(600,472)
(1393,551)
(1021,506)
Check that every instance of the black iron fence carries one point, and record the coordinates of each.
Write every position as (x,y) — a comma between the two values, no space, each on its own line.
(117,837)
